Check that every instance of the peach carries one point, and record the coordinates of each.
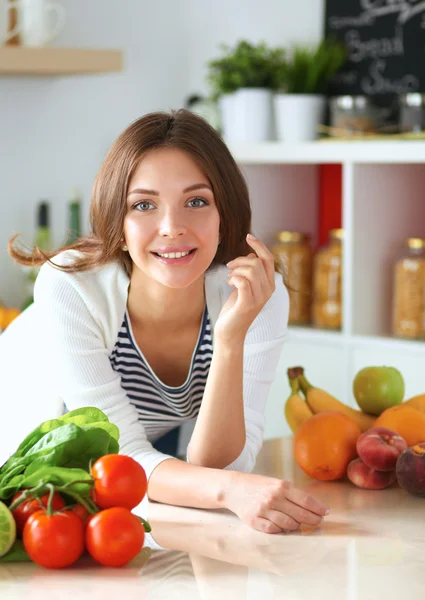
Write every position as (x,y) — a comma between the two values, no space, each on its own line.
(410,470)
(380,447)
(369,479)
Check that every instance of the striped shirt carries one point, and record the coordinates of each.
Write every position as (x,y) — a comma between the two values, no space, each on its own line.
(161,407)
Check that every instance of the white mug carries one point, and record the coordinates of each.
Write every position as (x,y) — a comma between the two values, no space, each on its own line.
(40,21)
(5,34)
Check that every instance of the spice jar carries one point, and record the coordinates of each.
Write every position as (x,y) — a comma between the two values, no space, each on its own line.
(294,254)
(352,114)
(409,291)
(412,112)
(327,283)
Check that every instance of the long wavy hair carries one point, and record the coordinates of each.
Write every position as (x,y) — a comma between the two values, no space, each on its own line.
(179,129)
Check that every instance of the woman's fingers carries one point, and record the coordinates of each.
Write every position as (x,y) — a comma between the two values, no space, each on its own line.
(253,269)
(283,520)
(257,280)
(265,526)
(306,501)
(245,293)
(264,254)
(301,515)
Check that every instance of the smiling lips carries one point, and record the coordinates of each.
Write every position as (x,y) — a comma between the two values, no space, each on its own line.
(180,256)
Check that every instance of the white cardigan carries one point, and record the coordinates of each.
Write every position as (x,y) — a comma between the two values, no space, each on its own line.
(57,351)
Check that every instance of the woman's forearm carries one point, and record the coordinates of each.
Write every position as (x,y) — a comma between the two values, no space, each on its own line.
(176,482)
(219,434)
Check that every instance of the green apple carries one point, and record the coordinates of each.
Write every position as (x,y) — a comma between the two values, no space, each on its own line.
(378,388)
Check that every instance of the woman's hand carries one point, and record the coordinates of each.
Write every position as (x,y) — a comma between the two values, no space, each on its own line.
(253,278)
(272,505)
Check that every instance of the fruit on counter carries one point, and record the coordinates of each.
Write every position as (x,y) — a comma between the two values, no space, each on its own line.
(58,465)
(378,388)
(410,470)
(297,410)
(7,315)
(325,444)
(22,513)
(369,479)
(379,448)
(54,540)
(119,480)
(319,401)
(114,537)
(7,529)
(406,421)
(417,402)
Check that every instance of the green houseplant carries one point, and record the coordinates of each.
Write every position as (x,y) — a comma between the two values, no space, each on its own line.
(245,66)
(243,80)
(303,79)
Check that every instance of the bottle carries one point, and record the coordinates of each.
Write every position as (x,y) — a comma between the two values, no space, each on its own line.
(295,255)
(327,283)
(43,241)
(74,218)
(408,315)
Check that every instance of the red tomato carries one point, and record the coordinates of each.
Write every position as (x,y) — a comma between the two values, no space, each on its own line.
(54,541)
(114,536)
(82,513)
(32,505)
(119,481)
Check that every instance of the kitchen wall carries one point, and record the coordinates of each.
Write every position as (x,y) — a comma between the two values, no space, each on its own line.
(54,131)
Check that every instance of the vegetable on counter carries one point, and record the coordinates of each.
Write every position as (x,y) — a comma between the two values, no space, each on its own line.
(59,488)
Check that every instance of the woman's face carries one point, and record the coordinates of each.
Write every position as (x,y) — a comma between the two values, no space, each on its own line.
(171,209)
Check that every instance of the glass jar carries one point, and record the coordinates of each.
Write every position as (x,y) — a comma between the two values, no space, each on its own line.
(294,254)
(327,283)
(408,320)
(352,114)
(412,112)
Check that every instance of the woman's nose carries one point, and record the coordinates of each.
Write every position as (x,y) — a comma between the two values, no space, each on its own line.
(172,224)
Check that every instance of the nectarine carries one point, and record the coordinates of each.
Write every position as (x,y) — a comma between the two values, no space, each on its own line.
(380,447)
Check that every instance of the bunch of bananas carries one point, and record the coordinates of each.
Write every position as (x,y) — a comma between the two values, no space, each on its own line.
(306,400)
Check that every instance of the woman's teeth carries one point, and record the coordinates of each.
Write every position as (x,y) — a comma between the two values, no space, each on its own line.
(173,254)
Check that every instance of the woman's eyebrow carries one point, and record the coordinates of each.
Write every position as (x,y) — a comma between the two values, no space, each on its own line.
(191,188)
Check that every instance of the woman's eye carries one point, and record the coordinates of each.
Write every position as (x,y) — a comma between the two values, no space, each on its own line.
(143,206)
(198,202)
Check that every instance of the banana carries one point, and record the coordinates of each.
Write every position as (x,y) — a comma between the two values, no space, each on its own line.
(296,408)
(319,400)
(417,402)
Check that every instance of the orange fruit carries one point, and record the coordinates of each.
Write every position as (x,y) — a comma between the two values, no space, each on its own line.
(406,421)
(325,444)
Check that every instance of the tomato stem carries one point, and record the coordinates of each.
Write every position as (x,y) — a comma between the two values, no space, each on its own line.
(50,501)
(145,524)
(42,487)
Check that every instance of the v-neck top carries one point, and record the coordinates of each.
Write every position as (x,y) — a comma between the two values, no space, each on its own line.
(161,407)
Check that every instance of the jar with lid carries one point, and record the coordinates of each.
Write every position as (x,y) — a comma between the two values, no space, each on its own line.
(408,318)
(294,254)
(352,114)
(327,283)
(412,112)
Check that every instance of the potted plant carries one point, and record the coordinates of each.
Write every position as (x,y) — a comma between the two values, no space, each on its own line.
(304,76)
(243,81)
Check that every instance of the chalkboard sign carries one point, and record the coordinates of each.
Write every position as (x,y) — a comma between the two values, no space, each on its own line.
(385,41)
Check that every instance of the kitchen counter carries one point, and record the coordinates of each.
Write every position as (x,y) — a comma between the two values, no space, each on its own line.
(371,546)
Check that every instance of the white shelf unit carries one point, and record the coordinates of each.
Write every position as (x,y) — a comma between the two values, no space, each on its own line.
(383,202)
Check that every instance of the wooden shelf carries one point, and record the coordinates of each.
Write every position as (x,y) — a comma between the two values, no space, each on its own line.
(19,60)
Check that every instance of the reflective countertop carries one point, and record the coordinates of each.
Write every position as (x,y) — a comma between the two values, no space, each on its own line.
(371,546)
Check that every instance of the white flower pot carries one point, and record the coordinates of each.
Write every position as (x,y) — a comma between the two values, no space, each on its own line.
(247,115)
(297,116)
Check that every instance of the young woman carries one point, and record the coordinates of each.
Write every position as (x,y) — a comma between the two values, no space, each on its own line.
(168,311)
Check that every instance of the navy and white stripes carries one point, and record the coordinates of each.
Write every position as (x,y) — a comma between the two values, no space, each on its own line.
(160,407)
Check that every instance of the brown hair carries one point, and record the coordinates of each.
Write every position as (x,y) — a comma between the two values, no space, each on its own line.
(180,129)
